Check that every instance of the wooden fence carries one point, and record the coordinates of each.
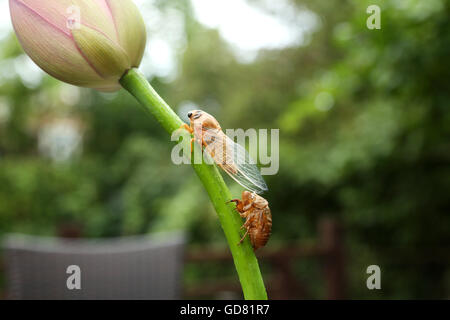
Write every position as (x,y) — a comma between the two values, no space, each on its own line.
(282,283)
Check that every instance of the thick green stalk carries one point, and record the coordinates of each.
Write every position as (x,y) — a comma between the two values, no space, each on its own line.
(244,258)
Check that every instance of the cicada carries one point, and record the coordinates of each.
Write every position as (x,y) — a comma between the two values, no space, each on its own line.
(258,224)
(228,155)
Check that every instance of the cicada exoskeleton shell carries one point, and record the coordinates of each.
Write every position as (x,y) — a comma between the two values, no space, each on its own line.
(258,218)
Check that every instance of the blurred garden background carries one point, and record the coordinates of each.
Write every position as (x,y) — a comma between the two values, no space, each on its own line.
(364,140)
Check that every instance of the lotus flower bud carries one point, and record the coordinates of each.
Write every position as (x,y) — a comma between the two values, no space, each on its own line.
(89,43)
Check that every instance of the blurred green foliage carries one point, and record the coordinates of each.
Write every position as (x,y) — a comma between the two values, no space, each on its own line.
(364,138)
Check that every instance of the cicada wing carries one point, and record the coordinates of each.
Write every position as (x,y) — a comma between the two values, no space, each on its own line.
(248,168)
(243,180)
(235,161)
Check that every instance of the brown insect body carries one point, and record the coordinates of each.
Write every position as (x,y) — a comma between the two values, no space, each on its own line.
(255,209)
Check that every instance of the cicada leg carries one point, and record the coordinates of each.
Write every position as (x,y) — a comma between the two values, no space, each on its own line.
(243,238)
(249,220)
(243,214)
(190,130)
(186,127)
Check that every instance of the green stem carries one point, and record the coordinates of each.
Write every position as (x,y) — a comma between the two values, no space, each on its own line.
(244,258)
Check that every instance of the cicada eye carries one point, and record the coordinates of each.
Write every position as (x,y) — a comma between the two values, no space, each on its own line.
(197,115)
(189,114)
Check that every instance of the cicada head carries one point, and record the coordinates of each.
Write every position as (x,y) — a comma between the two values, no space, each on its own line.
(203,119)
(194,114)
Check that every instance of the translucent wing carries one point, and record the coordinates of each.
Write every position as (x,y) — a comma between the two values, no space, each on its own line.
(234,160)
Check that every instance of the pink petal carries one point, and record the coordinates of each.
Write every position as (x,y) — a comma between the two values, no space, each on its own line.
(50,47)
(93,13)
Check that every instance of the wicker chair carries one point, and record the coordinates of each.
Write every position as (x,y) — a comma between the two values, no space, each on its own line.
(141,267)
